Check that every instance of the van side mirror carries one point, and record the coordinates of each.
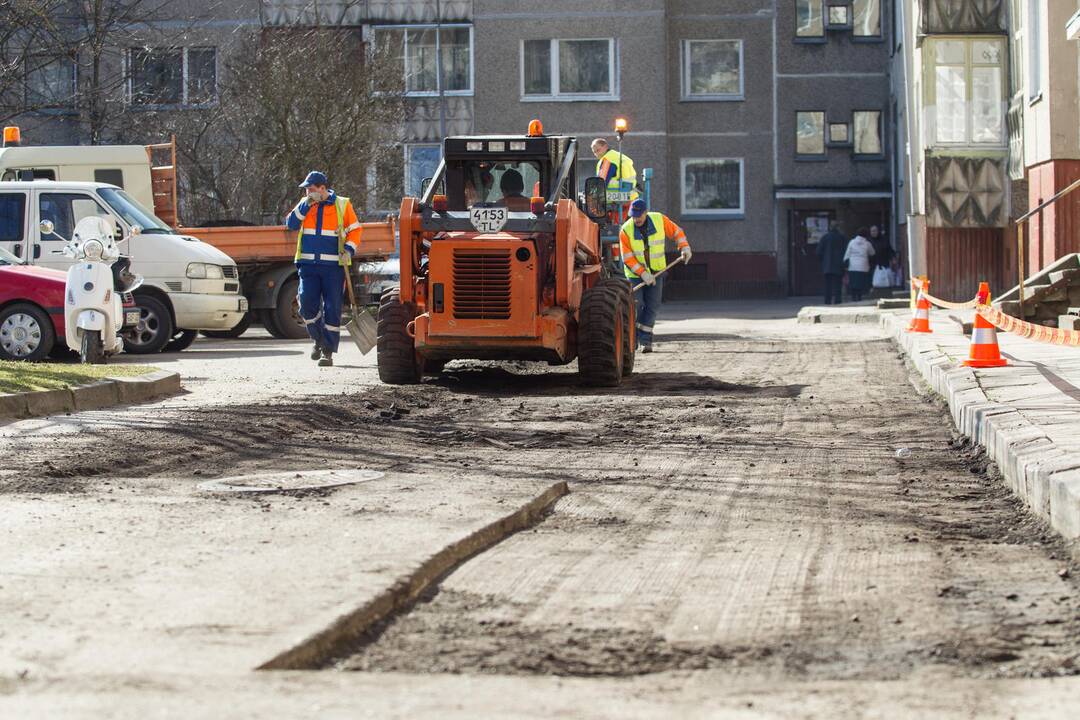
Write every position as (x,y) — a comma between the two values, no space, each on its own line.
(595,198)
(46,227)
(424,185)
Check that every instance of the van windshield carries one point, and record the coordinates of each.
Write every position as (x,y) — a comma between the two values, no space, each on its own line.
(134,213)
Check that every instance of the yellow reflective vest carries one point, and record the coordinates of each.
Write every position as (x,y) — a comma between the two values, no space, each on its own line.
(611,159)
(340,204)
(649,250)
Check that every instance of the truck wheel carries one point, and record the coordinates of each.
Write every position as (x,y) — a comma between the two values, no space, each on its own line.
(181,340)
(398,361)
(237,330)
(91,349)
(285,318)
(26,333)
(154,330)
(624,289)
(600,337)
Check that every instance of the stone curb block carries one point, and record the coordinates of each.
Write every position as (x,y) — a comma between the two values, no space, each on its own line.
(1044,476)
(96,395)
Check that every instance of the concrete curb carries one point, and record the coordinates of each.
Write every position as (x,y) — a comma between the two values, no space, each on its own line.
(104,393)
(817,316)
(346,630)
(1046,477)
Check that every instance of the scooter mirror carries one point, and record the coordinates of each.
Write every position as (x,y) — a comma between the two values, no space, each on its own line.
(136,229)
(46,227)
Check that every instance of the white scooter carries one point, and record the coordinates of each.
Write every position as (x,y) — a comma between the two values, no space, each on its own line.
(94,306)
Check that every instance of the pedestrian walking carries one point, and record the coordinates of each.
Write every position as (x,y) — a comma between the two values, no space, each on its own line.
(884,259)
(858,258)
(328,235)
(643,239)
(830,252)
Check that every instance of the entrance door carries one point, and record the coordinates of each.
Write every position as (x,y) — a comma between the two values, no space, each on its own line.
(807,228)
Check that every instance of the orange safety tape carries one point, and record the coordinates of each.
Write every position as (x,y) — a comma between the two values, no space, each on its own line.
(917,284)
(1039,333)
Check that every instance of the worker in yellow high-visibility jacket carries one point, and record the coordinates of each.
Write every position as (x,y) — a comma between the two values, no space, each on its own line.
(616,168)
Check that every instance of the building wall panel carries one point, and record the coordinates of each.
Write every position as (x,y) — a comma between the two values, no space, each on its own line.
(958,259)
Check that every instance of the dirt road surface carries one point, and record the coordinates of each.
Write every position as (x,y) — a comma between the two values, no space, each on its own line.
(739,531)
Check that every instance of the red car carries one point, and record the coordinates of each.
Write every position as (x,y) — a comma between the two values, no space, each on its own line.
(31,309)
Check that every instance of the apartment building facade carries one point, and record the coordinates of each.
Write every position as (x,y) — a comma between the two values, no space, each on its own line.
(762,120)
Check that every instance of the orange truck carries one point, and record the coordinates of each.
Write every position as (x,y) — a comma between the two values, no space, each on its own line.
(264,255)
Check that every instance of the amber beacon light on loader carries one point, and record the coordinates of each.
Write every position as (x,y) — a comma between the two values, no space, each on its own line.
(500,261)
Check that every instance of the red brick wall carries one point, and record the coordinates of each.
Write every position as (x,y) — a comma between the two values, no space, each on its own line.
(1054,231)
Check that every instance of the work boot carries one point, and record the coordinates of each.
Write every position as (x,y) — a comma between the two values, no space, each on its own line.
(327,359)
(646,348)
(316,352)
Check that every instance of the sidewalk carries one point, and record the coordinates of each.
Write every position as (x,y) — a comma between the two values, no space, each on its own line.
(1027,415)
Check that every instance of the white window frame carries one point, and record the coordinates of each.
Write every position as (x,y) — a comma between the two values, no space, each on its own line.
(184,103)
(704,213)
(711,97)
(405,58)
(930,66)
(555,95)
(407,149)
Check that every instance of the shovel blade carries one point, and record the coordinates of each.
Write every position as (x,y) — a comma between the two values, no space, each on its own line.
(363,330)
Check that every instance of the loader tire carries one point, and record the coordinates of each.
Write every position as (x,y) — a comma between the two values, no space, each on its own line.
(601,330)
(396,354)
(622,286)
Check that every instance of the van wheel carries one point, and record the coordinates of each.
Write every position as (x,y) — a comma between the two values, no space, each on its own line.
(284,321)
(237,330)
(399,363)
(181,340)
(600,336)
(26,333)
(155,328)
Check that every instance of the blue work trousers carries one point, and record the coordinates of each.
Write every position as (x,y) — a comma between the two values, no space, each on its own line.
(648,307)
(322,286)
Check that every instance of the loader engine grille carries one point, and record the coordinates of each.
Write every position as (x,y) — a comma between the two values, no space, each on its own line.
(481,284)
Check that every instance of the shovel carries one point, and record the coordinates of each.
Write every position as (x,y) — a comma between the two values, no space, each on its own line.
(671,264)
(362,327)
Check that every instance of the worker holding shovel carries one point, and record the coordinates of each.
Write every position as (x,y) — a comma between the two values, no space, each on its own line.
(328,235)
(643,238)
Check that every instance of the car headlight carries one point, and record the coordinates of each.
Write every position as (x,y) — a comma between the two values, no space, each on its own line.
(196,270)
(93,249)
(213,272)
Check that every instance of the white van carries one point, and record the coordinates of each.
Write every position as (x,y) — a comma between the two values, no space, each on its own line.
(189,285)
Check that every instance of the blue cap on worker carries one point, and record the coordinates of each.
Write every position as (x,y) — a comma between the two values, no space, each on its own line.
(315,178)
(637,208)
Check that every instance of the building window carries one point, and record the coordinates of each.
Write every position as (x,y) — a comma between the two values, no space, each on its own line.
(839,134)
(712,70)
(421,161)
(867,18)
(712,186)
(50,83)
(810,134)
(966,77)
(417,47)
(810,19)
(839,16)
(569,69)
(867,124)
(172,77)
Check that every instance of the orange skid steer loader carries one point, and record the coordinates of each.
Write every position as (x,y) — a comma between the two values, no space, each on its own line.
(499,261)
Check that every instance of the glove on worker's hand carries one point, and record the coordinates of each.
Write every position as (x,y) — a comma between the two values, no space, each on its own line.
(647,278)
(346,258)
(686,255)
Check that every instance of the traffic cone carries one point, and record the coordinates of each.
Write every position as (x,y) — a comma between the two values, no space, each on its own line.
(984,352)
(920,323)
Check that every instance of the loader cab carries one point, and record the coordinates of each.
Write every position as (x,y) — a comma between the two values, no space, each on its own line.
(503,171)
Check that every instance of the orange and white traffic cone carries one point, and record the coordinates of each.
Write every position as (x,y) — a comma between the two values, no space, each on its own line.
(920,323)
(984,352)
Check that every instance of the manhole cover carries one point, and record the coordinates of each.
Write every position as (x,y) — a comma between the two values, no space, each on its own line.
(289,481)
